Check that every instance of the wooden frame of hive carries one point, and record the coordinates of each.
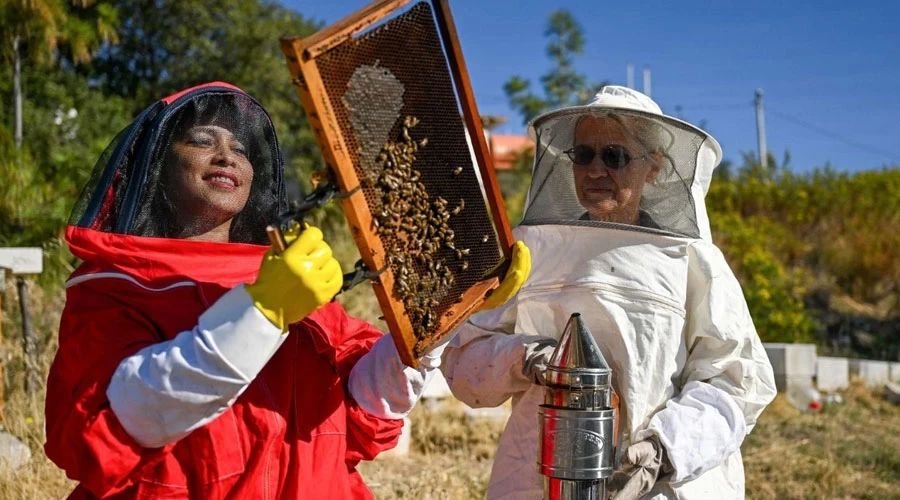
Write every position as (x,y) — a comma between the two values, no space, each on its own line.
(301,57)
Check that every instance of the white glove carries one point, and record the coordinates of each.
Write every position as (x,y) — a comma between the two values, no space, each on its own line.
(537,354)
(383,386)
(642,465)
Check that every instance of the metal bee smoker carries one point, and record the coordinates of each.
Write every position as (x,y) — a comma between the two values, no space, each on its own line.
(576,451)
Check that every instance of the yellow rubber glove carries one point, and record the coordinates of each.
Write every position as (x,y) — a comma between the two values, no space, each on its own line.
(519,269)
(298,281)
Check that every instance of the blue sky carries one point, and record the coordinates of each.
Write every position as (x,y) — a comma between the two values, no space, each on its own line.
(830,70)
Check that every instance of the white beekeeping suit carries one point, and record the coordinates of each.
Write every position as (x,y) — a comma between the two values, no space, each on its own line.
(659,297)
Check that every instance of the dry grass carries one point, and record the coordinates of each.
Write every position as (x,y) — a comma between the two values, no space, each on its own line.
(437,477)
(450,457)
(848,451)
(24,418)
(23,415)
(851,450)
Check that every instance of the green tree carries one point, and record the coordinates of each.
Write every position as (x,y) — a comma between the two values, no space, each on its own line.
(774,293)
(23,21)
(49,30)
(167,46)
(563,85)
(42,165)
(70,124)
(821,238)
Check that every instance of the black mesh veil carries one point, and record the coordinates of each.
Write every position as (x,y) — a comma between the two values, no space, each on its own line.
(202,158)
(680,156)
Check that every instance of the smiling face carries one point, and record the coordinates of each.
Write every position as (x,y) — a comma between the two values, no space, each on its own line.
(608,194)
(210,179)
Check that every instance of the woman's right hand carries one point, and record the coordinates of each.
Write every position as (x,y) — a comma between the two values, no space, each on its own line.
(296,282)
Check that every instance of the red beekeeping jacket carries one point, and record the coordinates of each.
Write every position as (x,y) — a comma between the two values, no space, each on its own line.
(293,433)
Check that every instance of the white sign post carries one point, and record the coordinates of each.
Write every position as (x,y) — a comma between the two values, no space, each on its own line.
(26,260)
(20,262)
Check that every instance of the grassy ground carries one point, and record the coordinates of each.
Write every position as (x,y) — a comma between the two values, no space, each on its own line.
(450,457)
(850,450)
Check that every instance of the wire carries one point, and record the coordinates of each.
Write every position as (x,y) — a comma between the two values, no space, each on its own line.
(871,149)
(712,107)
(679,109)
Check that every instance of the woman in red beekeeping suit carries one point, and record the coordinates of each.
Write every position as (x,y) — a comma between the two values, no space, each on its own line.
(175,379)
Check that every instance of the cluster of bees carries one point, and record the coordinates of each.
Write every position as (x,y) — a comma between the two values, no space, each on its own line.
(414,228)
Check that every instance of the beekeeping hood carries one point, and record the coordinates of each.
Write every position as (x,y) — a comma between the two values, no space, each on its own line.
(130,193)
(672,203)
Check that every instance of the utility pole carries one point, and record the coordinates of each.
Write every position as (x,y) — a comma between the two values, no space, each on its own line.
(647,80)
(29,344)
(629,70)
(761,131)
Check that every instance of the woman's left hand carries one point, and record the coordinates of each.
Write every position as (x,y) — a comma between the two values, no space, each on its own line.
(642,465)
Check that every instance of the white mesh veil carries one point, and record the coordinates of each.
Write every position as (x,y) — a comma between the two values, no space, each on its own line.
(621,141)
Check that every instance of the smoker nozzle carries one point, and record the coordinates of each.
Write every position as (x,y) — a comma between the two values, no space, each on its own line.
(577,361)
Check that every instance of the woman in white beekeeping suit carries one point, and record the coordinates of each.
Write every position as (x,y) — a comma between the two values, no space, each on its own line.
(618,232)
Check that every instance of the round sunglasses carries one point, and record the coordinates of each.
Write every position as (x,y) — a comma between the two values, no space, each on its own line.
(614,156)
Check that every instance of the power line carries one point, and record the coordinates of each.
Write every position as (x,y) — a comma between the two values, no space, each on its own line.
(832,135)
(714,107)
(892,156)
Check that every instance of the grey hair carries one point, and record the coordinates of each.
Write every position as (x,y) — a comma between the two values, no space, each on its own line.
(652,136)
